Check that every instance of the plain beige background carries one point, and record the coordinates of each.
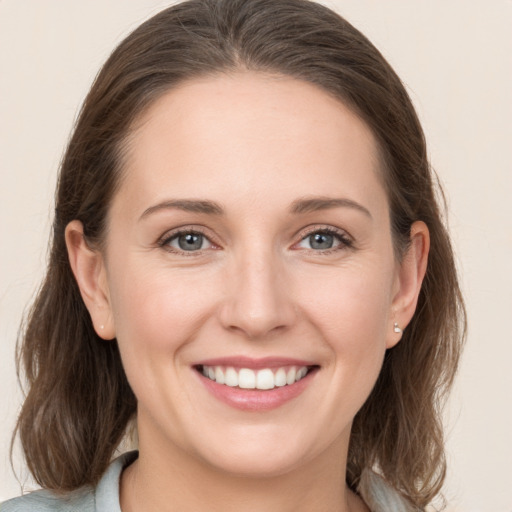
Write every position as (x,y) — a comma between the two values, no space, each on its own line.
(455,58)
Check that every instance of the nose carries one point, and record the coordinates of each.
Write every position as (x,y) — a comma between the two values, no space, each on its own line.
(258,302)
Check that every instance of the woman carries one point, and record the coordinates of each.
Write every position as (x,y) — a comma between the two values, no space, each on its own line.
(249,262)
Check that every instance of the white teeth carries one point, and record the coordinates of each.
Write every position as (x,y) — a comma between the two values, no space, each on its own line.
(219,375)
(301,373)
(290,376)
(280,378)
(231,377)
(246,378)
(265,379)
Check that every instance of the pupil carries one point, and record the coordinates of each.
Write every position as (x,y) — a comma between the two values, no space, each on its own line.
(321,241)
(190,242)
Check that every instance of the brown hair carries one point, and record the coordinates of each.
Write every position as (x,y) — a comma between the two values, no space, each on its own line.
(79,401)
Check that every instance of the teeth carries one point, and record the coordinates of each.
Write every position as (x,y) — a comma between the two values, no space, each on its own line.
(246,378)
(280,378)
(265,379)
(219,375)
(290,376)
(231,377)
(301,373)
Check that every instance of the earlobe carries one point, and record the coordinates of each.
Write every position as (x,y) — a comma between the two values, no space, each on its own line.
(411,273)
(88,267)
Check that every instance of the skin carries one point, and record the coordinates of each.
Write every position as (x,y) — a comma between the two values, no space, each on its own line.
(255,145)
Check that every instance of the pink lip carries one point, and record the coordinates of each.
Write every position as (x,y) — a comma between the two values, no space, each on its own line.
(255,399)
(254,364)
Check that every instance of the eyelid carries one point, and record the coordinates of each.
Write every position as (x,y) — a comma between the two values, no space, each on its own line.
(164,240)
(346,241)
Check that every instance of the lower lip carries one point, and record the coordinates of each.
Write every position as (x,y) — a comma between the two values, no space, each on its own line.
(254,399)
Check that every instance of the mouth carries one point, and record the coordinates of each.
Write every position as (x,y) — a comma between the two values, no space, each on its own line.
(255,385)
(247,378)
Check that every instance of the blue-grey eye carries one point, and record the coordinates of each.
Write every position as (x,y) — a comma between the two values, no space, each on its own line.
(321,241)
(189,241)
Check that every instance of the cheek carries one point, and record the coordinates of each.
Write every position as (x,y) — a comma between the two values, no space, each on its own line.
(352,314)
(156,310)
(350,303)
(156,313)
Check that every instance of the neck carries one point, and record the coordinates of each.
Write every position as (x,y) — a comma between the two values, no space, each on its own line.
(171,480)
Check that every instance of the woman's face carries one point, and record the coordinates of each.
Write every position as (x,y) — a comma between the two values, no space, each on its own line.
(250,241)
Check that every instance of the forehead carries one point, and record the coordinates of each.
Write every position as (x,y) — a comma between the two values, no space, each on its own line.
(250,134)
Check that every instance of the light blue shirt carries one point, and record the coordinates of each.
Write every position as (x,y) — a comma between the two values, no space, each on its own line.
(377,494)
(103,498)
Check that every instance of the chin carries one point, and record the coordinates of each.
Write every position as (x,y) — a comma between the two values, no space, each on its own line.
(257,463)
(260,452)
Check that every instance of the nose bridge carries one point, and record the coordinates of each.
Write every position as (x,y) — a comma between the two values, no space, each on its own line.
(257,302)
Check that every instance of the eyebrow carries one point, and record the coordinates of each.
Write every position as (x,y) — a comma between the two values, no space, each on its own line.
(313,204)
(187,205)
(299,206)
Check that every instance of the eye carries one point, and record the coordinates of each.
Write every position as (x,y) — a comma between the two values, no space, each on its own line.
(324,240)
(188,241)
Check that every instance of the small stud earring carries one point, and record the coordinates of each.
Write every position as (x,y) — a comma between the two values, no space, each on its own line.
(396,328)
(103,327)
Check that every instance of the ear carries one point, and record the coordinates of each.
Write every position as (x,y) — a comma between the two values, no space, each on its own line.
(411,271)
(90,273)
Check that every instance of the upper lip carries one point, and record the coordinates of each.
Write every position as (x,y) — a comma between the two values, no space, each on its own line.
(254,363)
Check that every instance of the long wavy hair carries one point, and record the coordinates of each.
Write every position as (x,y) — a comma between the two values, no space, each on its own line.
(78,402)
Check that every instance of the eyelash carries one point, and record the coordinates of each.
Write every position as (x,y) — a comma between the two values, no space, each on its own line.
(165,241)
(345,241)
(341,236)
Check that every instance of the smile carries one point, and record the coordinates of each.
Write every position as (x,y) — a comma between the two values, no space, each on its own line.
(262,379)
(256,384)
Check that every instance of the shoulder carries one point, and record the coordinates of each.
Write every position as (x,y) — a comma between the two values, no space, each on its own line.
(42,501)
(103,498)
(378,495)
